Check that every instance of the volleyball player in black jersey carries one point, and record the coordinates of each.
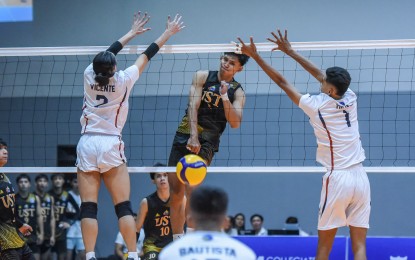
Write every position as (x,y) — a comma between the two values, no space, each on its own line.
(215,99)
(62,223)
(12,245)
(47,205)
(154,216)
(29,212)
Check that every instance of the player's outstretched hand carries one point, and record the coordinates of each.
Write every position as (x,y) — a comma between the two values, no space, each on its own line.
(139,22)
(282,41)
(174,26)
(242,48)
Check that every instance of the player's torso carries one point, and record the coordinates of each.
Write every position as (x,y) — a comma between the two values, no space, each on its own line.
(211,116)
(46,213)
(157,227)
(105,108)
(9,238)
(336,128)
(27,212)
(59,209)
(7,200)
(211,113)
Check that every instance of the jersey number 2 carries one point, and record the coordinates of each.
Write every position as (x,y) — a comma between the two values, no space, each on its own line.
(99,97)
(346,115)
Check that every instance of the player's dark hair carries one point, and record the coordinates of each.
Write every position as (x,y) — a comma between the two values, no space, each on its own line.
(340,78)
(41,176)
(209,203)
(22,176)
(104,67)
(257,215)
(153,174)
(56,175)
(2,143)
(242,58)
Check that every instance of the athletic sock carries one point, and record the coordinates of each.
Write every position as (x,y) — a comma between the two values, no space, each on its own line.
(90,255)
(132,256)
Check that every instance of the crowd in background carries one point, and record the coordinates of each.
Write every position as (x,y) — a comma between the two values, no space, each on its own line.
(52,207)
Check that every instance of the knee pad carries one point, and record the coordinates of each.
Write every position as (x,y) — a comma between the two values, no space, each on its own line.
(123,209)
(89,210)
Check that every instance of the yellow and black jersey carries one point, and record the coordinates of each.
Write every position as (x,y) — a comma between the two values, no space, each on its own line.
(211,114)
(46,208)
(9,236)
(27,213)
(59,209)
(157,227)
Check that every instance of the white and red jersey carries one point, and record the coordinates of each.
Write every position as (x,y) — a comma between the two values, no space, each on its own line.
(105,108)
(336,129)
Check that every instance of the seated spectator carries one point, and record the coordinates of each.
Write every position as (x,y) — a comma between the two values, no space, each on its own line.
(228,226)
(292,224)
(256,222)
(240,223)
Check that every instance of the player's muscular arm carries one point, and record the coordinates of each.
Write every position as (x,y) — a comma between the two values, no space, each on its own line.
(141,215)
(285,46)
(195,97)
(277,77)
(233,111)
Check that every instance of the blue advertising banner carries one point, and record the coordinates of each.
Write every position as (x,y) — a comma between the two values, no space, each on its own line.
(291,247)
(388,248)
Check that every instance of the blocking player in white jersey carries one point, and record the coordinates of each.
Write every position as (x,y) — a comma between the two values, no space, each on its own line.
(345,195)
(100,150)
(208,207)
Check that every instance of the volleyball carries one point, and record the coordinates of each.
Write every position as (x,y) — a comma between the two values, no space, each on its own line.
(191,169)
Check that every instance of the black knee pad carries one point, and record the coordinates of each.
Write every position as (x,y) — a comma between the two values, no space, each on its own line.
(89,210)
(123,209)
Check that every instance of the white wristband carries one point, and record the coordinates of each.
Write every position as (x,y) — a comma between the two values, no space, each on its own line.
(224,97)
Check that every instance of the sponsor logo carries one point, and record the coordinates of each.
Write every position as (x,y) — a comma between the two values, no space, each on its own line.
(398,258)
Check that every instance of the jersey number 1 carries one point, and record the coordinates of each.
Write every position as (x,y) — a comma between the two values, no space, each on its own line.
(346,115)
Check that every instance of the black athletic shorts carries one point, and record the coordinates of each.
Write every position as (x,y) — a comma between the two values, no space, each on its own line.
(23,253)
(178,149)
(59,247)
(34,247)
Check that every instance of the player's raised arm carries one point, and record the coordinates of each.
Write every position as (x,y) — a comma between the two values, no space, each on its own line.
(172,27)
(195,97)
(277,77)
(285,46)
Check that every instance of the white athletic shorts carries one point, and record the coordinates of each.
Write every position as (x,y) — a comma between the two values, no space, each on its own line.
(99,153)
(345,199)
